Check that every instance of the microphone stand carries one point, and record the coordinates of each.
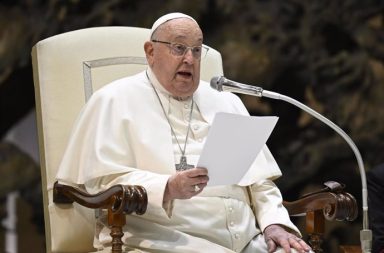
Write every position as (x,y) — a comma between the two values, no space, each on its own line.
(365,233)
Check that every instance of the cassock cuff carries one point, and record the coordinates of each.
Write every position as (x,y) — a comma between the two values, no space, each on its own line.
(279,219)
(168,208)
(153,183)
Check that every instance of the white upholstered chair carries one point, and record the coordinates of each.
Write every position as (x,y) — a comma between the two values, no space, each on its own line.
(67,69)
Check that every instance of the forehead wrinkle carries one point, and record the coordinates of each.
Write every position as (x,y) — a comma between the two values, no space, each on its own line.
(181,38)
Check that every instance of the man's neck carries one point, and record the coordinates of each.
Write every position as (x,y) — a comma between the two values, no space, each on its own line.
(181,98)
(161,88)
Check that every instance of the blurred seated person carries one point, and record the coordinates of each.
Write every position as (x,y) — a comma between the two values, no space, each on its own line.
(149,129)
(375,185)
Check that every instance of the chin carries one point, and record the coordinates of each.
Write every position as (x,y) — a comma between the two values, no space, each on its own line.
(185,90)
(189,92)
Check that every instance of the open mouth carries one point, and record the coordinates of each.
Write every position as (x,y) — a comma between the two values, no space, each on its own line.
(185,74)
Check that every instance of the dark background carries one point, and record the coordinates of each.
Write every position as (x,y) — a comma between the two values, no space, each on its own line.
(327,54)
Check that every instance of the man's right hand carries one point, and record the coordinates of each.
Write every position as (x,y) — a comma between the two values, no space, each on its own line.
(182,184)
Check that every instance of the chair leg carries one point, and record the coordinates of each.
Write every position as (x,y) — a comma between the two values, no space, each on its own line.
(315,228)
(315,240)
(116,223)
(117,243)
(350,249)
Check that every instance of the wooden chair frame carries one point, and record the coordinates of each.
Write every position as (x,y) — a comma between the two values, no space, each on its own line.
(69,63)
(331,203)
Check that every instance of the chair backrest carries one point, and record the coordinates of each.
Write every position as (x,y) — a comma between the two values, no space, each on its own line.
(67,68)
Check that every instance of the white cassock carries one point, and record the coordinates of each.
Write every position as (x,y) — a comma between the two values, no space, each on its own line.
(123,137)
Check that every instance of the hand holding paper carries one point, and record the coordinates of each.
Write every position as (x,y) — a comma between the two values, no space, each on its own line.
(232,145)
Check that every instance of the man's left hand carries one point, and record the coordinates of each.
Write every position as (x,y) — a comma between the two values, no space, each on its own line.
(276,236)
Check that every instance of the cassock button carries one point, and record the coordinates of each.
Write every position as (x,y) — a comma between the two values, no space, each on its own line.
(186,106)
(230,209)
(237,236)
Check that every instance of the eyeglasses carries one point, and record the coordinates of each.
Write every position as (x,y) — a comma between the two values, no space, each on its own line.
(178,49)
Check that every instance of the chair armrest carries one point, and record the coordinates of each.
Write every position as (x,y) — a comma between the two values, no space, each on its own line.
(118,198)
(335,203)
(331,203)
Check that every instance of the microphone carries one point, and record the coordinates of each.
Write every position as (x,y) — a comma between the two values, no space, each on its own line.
(221,83)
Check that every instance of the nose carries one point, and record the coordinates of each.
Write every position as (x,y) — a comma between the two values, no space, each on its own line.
(188,56)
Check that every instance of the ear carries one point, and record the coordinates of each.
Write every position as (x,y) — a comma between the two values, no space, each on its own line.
(149,52)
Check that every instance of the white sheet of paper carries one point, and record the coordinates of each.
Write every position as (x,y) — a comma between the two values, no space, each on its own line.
(232,145)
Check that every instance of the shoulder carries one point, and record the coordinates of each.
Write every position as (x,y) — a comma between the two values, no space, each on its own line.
(205,88)
(226,101)
(126,92)
(127,86)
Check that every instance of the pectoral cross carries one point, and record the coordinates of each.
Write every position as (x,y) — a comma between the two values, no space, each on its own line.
(183,165)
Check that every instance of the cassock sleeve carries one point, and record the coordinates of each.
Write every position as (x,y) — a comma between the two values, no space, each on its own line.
(99,153)
(153,183)
(269,208)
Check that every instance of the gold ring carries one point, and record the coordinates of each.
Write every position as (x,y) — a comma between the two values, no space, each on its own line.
(197,188)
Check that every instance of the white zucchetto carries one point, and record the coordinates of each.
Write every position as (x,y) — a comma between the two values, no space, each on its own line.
(166,18)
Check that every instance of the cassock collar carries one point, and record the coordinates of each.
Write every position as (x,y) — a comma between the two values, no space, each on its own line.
(164,95)
(206,106)
(156,83)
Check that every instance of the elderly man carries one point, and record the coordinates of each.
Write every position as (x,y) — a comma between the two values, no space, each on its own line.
(149,130)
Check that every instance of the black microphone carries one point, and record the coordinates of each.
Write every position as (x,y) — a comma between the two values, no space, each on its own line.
(221,83)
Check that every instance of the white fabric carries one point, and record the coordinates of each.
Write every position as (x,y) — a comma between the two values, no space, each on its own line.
(179,113)
(90,155)
(59,63)
(112,143)
(166,18)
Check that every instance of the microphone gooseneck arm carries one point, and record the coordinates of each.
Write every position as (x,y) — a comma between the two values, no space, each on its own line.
(274,95)
(365,233)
